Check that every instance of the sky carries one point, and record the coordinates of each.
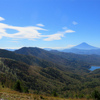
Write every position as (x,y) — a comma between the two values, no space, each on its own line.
(56,24)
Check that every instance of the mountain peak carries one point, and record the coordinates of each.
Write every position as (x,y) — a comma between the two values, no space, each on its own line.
(84,46)
(84,43)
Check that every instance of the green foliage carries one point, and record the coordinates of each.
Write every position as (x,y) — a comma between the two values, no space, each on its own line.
(96,95)
(41,97)
(18,86)
(25,90)
(55,93)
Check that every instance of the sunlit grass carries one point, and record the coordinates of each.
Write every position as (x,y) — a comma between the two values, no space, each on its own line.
(8,94)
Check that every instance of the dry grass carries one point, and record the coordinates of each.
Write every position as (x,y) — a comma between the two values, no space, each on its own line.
(8,94)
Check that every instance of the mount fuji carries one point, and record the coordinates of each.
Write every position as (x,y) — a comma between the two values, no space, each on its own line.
(83,48)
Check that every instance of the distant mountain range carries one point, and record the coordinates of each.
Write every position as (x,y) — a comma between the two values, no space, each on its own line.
(83,48)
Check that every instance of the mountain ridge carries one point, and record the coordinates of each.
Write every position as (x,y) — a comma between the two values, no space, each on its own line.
(50,57)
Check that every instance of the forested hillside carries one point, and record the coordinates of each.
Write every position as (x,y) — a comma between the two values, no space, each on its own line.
(90,59)
(57,59)
(40,76)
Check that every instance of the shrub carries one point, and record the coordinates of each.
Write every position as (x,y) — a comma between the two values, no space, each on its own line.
(18,87)
(96,95)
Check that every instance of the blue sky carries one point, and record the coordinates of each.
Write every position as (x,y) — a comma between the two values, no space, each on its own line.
(49,23)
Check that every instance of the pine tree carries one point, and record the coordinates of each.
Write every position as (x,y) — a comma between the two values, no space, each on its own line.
(96,95)
(17,86)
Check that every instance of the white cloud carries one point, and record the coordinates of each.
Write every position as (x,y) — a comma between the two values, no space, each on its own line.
(57,48)
(57,36)
(11,47)
(1,19)
(30,32)
(41,25)
(60,48)
(54,37)
(65,28)
(69,31)
(69,46)
(14,41)
(74,23)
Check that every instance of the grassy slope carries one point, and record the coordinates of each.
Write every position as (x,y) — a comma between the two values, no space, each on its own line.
(8,94)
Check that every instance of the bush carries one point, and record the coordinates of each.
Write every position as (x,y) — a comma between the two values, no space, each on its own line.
(55,94)
(96,95)
(18,87)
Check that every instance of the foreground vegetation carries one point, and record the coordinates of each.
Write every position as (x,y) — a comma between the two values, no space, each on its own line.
(8,94)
